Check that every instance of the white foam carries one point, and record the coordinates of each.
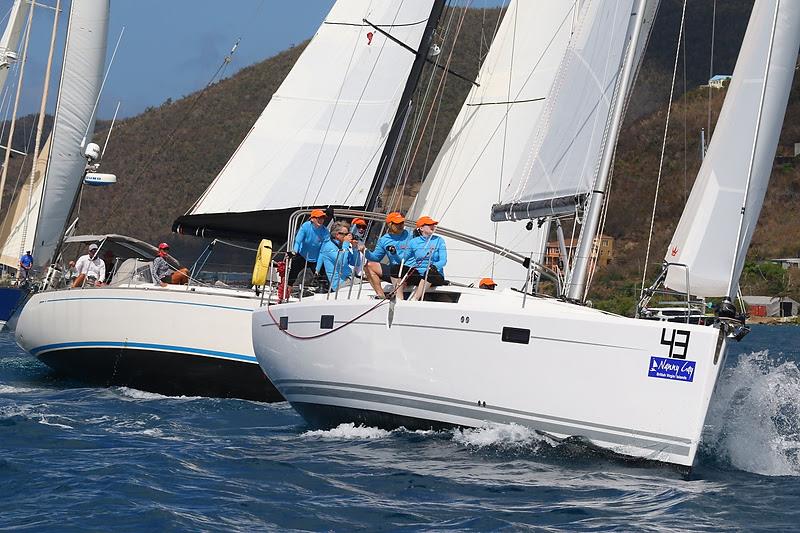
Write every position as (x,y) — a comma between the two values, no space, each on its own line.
(493,434)
(10,389)
(137,394)
(349,431)
(753,421)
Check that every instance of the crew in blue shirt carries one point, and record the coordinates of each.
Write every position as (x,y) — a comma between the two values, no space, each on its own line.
(25,265)
(428,254)
(307,243)
(339,255)
(393,246)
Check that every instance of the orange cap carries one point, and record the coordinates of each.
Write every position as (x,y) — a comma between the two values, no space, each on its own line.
(487,282)
(358,222)
(317,213)
(395,217)
(425,221)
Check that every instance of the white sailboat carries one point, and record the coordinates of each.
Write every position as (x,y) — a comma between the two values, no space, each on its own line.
(320,141)
(467,357)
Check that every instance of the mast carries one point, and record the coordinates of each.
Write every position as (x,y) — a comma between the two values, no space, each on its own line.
(42,108)
(16,102)
(404,109)
(577,282)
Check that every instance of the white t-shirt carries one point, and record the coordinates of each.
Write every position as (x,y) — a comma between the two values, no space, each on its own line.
(84,265)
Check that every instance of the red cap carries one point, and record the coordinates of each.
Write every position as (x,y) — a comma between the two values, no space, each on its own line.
(358,222)
(163,246)
(487,282)
(395,218)
(425,221)
(317,213)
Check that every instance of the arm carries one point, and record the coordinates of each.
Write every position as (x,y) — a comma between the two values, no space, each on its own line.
(379,253)
(441,259)
(102,277)
(299,238)
(154,271)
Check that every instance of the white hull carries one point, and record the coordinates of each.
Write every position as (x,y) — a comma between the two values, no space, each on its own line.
(582,372)
(172,340)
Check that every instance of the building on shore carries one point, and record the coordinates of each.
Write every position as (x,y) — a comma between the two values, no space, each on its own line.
(771,306)
(603,251)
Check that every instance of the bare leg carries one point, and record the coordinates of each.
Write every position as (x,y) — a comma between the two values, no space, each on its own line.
(373,272)
(421,288)
(399,288)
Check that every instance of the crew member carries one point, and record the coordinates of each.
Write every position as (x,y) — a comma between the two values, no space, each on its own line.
(25,265)
(338,255)
(392,245)
(309,239)
(487,283)
(89,263)
(358,229)
(429,255)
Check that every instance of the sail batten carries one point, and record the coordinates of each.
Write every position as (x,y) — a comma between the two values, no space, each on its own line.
(738,164)
(320,138)
(79,88)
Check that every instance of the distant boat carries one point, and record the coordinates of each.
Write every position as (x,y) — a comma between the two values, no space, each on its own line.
(466,356)
(321,140)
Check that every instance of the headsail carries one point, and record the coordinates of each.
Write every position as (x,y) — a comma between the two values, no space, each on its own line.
(17,229)
(10,39)
(81,78)
(742,151)
(490,137)
(320,138)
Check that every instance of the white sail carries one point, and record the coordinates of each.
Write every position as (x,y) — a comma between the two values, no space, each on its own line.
(320,138)
(747,132)
(11,37)
(569,138)
(490,137)
(17,229)
(81,78)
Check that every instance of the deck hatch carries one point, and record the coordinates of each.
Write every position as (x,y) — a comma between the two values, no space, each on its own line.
(326,322)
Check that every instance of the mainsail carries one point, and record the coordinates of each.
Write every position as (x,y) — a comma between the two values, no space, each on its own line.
(491,136)
(11,36)
(17,229)
(81,78)
(319,140)
(732,181)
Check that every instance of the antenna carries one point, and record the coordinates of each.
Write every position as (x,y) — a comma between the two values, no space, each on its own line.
(110,129)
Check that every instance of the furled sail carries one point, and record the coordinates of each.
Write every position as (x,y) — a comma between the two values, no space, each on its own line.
(739,160)
(569,139)
(490,137)
(10,39)
(17,229)
(320,138)
(79,88)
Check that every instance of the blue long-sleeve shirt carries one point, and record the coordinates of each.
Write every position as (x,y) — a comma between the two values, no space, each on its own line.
(399,242)
(339,259)
(423,251)
(309,240)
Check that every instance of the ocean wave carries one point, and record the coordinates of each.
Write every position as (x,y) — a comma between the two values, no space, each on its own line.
(137,394)
(349,431)
(10,389)
(494,434)
(753,423)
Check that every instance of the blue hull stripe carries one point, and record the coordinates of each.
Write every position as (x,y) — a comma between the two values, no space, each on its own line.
(143,345)
(151,300)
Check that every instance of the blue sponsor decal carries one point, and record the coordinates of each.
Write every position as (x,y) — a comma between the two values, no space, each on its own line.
(666,368)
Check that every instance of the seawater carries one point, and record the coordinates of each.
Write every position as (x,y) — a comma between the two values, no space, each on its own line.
(117,459)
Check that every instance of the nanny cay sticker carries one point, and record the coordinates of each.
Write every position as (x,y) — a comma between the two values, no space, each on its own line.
(666,368)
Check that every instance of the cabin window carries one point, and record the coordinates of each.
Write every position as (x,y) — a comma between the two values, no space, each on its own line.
(283,323)
(326,322)
(517,335)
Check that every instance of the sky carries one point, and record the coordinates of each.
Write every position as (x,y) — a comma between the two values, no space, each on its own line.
(171,48)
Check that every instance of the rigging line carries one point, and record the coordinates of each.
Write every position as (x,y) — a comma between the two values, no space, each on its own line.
(685,127)
(350,121)
(405,168)
(663,150)
(102,85)
(526,101)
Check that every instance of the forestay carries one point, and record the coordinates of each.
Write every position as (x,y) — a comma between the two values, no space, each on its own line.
(17,229)
(10,39)
(490,137)
(81,78)
(320,138)
(569,138)
(741,150)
